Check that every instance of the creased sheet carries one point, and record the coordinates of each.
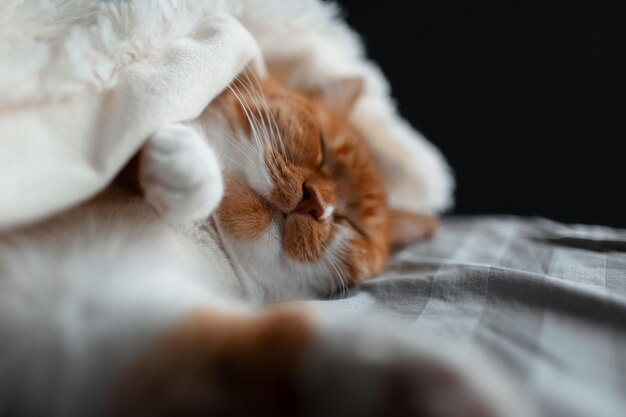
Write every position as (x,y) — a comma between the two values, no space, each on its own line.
(545,299)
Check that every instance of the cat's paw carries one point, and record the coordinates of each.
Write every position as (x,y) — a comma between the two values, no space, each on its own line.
(287,362)
(180,174)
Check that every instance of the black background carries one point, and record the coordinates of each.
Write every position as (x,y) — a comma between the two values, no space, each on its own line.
(526,99)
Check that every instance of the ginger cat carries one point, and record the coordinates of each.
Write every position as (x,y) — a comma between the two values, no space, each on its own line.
(117,309)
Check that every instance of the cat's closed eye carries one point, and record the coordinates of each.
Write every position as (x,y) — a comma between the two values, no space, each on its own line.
(321,158)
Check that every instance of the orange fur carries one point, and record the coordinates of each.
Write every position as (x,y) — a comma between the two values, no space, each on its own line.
(213,362)
(325,162)
(248,365)
(243,214)
(407,227)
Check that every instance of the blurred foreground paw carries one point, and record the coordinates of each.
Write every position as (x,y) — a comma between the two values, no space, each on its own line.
(288,362)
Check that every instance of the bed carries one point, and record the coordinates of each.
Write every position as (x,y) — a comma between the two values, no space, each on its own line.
(547,300)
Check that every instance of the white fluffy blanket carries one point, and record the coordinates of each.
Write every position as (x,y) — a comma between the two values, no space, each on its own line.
(83,84)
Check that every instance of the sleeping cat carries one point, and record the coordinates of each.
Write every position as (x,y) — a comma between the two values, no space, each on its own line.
(303,195)
(116,308)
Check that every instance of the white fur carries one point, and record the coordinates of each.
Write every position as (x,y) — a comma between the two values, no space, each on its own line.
(237,151)
(180,175)
(328,211)
(268,275)
(81,296)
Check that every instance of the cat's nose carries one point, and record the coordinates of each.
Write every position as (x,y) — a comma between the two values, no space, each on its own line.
(311,203)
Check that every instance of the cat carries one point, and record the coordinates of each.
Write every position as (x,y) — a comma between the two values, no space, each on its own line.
(148,305)
(300,179)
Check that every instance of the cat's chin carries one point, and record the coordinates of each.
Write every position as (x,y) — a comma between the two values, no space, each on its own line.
(267,273)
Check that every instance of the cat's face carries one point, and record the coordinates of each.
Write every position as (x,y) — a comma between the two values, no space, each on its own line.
(304,208)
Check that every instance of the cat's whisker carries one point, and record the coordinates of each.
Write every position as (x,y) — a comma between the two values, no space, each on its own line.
(236,137)
(259,126)
(273,123)
(333,260)
(337,287)
(247,152)
(263,140)
(265,117)
(248,113)
(253,93)
(231,135)
(234,161)
(244,105)
(263,100)
(340,259)
(253,121)
(236,146)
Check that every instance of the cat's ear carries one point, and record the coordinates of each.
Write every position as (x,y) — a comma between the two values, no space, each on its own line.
(407,227)
(341,94)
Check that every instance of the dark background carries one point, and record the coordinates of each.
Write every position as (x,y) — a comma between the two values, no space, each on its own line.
(526,99)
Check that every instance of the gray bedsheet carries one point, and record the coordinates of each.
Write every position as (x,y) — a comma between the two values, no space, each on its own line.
(546,299)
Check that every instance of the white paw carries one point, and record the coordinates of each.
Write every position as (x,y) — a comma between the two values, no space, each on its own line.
(180,174)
